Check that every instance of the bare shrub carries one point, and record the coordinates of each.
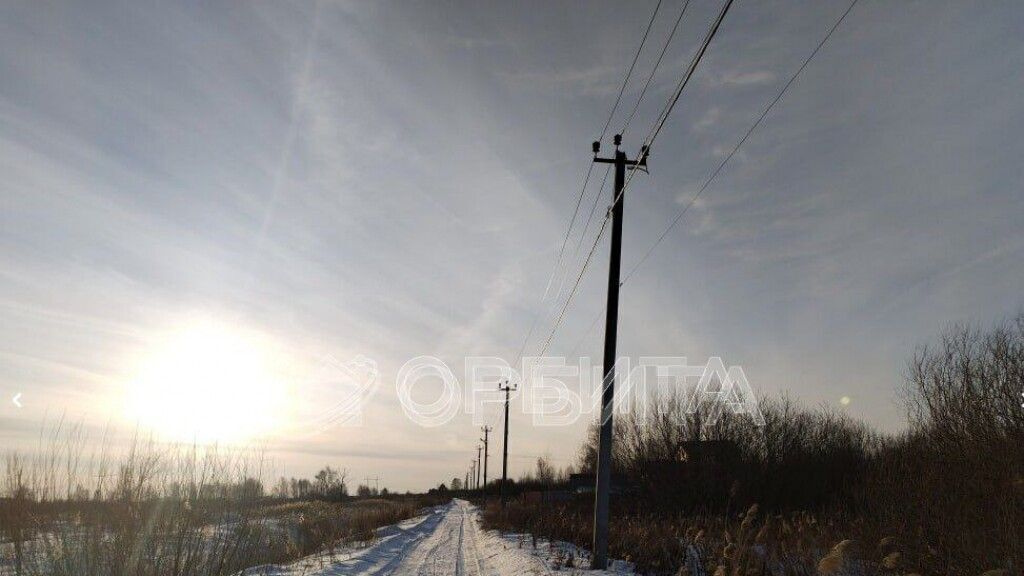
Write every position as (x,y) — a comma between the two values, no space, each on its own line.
(944,497)
(153,509)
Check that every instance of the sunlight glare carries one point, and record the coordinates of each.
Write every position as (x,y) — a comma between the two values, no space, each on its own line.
(209,383)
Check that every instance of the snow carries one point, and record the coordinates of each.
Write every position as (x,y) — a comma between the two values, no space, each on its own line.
(446,540)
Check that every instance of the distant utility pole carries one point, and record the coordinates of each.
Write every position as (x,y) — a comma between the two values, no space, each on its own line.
(604,453)
(465,485)
(487,430)
(472,473)
(503,490)
(478,448)
(376,482)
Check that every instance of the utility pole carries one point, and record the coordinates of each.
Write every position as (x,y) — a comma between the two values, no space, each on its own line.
(487,430)
(465,485)
(376,483)
(478,448)
(604,454)
(503,490)
(472,473)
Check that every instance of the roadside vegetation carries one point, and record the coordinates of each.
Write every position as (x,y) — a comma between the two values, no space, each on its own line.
(160,510)
(814,491)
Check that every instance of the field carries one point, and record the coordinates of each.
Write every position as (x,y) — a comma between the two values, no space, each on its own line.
(703,492)
(814,491)
(137,521)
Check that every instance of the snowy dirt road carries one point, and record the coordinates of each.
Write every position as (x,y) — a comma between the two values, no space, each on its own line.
(446,541)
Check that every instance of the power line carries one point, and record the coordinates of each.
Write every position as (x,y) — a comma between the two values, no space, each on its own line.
(504,446)
(575,287)
(586,180)
(586,333)
(478,448)
(629,72)
(602,493)
(743,140)
(629,119)
(697,57)
(487,431)
(656,128)
(604,132)
(593,208)
(652,135)
(657,63)
(721,165)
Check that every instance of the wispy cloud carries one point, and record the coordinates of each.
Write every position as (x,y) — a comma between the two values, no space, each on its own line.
(741,78)
(399,186)
(708,120)
(593,81)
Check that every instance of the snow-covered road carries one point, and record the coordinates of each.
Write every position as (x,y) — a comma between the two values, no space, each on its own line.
(447,540)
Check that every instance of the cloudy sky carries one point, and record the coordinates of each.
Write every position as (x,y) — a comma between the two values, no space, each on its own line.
(313,181)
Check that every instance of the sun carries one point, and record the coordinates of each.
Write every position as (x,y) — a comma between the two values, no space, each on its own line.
(207,382)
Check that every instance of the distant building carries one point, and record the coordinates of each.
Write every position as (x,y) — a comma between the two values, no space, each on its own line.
(584,483)
(700,468)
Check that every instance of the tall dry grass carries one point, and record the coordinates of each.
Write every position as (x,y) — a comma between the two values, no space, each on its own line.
(153,509)
(944,497)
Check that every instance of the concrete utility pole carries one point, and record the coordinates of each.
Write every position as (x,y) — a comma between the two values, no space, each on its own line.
(487,430)
(503,490)
(602,490)
(478,449)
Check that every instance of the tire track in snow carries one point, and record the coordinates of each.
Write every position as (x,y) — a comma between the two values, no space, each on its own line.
(448,540)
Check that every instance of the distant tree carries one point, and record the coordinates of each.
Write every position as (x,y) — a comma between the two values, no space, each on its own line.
(442,489)
(281,490)
(303,488)
(330,483)
(364,491)
(545,471)
(81,494)
(324,479)
(248,489)
(967,387)
(456,484)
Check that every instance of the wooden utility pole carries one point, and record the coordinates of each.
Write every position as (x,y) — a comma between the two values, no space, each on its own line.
(603,479)
(478,448)
(487,431)
(503,490)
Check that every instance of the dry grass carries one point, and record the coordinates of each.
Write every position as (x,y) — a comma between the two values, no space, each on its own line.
(748,544)
(944,498)
(159,510)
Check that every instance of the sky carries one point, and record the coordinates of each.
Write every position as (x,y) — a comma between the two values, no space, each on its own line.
(266,190)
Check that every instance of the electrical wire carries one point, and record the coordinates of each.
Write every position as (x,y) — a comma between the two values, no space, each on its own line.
(652,135)
(604,132)
(590,216)
(721,166)
(629,72)
(742,140)
(586,180)
(654,69)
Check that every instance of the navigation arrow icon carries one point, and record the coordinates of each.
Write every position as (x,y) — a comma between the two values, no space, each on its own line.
(17,399)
